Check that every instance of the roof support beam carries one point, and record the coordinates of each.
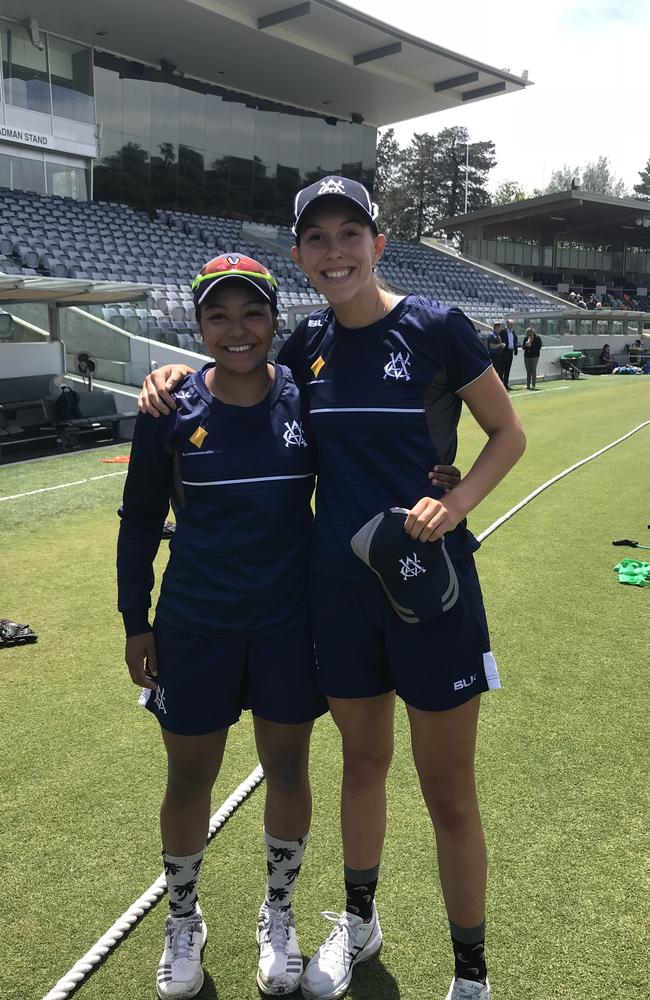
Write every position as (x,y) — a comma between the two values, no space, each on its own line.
(386,50)
(280,16)
(493,88)
(455,81)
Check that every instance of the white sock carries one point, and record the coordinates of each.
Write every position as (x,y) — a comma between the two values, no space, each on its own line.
(283,861)
(182,874)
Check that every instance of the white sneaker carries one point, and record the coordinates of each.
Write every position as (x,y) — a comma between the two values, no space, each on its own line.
(329,973)
(180,975)
(466,989)
(280,966)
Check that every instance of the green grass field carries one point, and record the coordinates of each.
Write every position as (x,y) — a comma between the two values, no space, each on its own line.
(562,764)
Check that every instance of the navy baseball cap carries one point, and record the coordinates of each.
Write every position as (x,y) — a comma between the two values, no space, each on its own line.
(419,577)
(233,265)
(335,187)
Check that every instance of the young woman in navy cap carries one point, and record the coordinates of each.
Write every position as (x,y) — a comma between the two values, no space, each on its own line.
(232,627)
(384,377)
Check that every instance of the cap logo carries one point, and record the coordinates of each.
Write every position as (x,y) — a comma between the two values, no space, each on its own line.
(332,187)
(411,566)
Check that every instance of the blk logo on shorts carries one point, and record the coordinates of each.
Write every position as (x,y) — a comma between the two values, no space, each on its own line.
(294,434)
(398,366)
(411,566)
(463,683)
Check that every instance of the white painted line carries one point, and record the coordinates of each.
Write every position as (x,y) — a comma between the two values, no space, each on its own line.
(540,489)
(64,486)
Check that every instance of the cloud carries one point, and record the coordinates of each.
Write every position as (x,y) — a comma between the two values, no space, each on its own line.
(590,76)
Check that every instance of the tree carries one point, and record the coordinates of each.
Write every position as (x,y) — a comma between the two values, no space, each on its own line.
(508,192)
(451,154)
(642,190)
(562,179)
(597,178)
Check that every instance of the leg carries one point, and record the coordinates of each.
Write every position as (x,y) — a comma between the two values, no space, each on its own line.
(527,365)
(366,728)
(443,749)
(193,763)
(533,369)
(284,754)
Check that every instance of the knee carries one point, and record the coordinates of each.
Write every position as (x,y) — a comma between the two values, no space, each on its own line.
(366,765)
(451,805)
(286,773)
(187,784)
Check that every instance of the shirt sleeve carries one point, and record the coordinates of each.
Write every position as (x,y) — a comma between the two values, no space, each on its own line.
(145,504)
(292,354)
(465,355)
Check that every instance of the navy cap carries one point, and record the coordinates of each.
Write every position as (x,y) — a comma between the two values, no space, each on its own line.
(335,187)
(419,577)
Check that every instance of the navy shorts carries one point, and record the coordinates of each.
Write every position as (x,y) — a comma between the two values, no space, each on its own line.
(364,649)
(204,682)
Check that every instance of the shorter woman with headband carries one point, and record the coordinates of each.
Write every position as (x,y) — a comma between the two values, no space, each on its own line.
(231,629)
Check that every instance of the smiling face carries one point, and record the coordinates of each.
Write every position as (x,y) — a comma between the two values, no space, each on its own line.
(237,326)
(337,250)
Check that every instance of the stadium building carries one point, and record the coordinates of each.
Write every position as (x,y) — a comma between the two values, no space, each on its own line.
(139,140)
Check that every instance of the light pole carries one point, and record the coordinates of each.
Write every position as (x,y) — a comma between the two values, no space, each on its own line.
(466,172)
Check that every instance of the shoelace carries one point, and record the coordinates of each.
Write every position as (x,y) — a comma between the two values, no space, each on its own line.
(274,928)
(338,943)
(462,992)
(181,935)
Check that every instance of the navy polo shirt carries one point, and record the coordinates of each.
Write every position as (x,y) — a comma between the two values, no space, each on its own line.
(383,411)
(240,479)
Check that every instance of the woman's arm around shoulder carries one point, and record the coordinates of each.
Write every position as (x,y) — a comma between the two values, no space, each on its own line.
(156,394)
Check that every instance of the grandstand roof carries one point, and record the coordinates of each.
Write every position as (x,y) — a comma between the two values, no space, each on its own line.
(318,55)
(67,291)
(571,215)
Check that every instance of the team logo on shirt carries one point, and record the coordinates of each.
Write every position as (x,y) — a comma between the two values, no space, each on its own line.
(294,434)
(398,366)
(332,187)
(198,437)
(411,566)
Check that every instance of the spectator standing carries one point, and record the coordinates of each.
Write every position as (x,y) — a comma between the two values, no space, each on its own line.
(495,347)
(510,349)
(532,345)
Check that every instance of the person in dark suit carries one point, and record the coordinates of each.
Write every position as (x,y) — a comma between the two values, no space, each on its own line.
(510,349)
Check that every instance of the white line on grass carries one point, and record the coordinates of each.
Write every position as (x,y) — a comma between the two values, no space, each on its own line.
(540,489)
(63,486)
(82,969)
(108,941)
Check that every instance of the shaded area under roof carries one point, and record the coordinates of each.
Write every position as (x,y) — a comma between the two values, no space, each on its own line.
(67,291)
(319,55)
(570,215)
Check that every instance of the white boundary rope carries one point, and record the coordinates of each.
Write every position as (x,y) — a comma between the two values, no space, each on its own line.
(108,941)
(540,489)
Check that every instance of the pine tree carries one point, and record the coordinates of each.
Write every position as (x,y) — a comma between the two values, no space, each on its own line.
(642,190)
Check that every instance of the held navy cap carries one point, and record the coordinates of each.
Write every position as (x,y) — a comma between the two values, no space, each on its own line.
(230,266)
(419,577)
(335,187)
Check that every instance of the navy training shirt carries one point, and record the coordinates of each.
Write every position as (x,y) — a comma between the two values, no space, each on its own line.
(383,411)
(240,479)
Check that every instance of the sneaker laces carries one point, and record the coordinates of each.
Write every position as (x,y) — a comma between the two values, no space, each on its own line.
(273,928)
(463,992)
(181,935)
(337,945)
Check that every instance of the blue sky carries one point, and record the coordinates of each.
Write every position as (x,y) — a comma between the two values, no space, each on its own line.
(590,63)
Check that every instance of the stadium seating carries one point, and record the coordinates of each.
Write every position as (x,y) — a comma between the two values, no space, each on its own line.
(61,237)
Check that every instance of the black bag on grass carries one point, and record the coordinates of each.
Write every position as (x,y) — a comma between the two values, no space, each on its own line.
(67,406)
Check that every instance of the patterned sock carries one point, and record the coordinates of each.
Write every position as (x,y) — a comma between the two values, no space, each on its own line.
(283,861)
(360,886)
(182,877)
(469,952)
